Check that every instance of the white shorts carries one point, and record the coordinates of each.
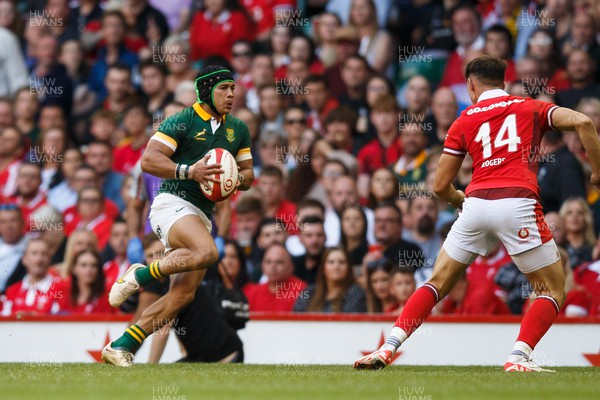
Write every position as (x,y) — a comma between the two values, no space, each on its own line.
(517,222)
(167,209)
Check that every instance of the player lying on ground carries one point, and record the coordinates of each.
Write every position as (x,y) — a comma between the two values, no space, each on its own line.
(502,134)
(180,213)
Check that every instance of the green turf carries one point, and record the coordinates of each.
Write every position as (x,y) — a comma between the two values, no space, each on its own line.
(224,382)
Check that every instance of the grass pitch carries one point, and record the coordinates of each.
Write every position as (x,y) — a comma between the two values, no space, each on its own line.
(224,382)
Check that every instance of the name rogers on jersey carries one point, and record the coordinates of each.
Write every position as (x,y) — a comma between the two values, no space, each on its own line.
(493,161)
(492,106)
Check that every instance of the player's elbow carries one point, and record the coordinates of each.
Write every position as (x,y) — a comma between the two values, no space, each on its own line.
(440,187)
(146,162)
(582,121)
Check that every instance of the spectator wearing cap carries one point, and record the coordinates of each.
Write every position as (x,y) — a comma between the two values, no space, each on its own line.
(11,153)
(12,245)
(281,289)
(223,25)
(347,43)
(29,196)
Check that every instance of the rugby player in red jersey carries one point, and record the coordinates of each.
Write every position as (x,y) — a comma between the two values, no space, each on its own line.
(502,134)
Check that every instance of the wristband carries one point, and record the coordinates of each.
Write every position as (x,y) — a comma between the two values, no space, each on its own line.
(182,171)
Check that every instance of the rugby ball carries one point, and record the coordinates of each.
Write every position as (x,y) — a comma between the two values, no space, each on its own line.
(220,191)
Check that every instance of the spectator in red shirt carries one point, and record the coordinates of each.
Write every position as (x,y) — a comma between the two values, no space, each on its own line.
(116,267)
(466,27)
(403,285)
(481,273)
(282,288)
(588,276)
(39,292)
(29,197)
(302,48)
(87,293)
(128,152)
(11,151)
(271,231)
(90,214)
(222,25)
(498,43)
(466,299)
(318,102)
(386,148)
(267,14)
(271,186)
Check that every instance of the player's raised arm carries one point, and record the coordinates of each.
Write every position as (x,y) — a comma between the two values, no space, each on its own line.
(566,119)
(448,167)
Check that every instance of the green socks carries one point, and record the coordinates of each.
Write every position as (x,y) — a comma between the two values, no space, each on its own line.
(131,340)
(148,274)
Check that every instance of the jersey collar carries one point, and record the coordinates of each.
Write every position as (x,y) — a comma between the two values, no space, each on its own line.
(203,114)
(490,94)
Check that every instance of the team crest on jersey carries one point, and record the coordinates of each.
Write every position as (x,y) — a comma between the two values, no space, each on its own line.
(200,135)
(230,135)
(523,233)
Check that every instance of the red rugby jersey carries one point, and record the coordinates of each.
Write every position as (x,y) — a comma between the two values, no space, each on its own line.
(502,134)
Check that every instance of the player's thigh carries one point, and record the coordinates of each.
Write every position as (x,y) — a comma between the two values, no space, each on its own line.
(446,272)
(191,232)
(519,223)
(470,233)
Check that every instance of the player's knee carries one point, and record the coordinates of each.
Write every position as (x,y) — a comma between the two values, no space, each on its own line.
(205,257)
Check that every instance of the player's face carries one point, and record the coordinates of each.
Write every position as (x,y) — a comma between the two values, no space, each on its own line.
(380,283)
(223,97)
(336,266)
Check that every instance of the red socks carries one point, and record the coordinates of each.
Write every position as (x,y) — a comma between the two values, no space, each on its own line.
(417,308)
(538,320)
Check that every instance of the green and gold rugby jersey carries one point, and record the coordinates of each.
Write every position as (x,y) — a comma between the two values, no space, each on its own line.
(189,133)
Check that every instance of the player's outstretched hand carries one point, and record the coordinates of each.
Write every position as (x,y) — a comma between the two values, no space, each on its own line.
(203,173)
(595,180)
(460,199)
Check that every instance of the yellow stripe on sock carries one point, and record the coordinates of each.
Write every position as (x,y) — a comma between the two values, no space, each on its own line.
(156,270)
(138,331)
(152,272)
(134,335)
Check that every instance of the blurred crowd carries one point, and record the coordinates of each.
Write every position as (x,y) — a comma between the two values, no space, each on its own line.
(348,103)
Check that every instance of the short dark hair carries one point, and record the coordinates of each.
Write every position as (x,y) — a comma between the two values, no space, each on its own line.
(249,204)
(319,79)
(308,203)
(389,204)
(149,63)
(267,222)
(312,219)
(342,114)
(488,70)
(272,171)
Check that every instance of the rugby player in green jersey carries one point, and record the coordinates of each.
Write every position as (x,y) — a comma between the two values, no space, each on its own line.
(180,214)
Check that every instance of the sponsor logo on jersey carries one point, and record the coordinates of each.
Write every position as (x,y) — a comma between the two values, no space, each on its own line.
(523,233)
(230,135)
(503,104)
(200,135)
